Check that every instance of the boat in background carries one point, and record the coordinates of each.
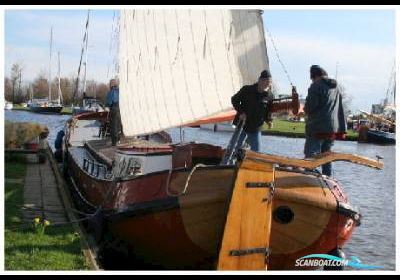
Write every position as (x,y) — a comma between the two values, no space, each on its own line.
(382,119)
(49,106)
(8,105)
(221,126)
(381,137)
(89,103)
(196,205)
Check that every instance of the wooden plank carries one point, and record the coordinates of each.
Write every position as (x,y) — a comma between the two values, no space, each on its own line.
(86,244)
(248,224)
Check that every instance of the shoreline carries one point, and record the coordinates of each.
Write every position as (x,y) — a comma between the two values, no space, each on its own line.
(292,129)
(65,110)
(299,135)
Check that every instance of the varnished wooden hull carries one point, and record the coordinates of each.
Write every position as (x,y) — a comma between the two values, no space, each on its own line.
(167,226)
(185,232)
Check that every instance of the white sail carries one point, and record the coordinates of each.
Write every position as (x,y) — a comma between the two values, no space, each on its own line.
(178,66)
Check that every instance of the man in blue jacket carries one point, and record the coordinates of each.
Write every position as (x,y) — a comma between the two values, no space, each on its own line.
(325,116)
(115,116)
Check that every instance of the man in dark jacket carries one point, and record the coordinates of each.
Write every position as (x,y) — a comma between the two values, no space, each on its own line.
(251,103)
(325,116)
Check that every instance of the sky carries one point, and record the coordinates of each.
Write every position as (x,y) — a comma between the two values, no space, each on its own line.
(357,44)
(27,41)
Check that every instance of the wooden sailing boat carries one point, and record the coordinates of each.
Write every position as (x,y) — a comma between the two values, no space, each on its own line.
(196,205)
(382,126)
(48,106)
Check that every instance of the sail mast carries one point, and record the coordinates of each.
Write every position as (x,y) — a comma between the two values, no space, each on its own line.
(51,45)
(86,52)
(77,81)
(59,82)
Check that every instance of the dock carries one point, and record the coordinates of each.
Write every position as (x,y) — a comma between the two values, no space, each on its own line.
(41,196)
(45,196)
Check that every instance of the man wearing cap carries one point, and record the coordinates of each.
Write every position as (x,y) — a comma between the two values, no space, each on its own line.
(325,115)
(251,103)
(115,116)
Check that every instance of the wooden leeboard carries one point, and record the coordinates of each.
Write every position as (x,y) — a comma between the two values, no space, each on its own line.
(248,223)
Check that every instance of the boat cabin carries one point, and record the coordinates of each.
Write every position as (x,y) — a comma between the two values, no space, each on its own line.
(127,160)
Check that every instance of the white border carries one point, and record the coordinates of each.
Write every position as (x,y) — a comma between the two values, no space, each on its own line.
(271,7)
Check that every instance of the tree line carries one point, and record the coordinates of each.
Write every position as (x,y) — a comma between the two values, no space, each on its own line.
(16,91)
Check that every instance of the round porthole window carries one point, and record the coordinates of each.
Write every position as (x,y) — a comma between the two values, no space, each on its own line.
(283,215)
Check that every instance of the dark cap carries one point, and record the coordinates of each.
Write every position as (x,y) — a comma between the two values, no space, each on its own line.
(317,71)
(265,74)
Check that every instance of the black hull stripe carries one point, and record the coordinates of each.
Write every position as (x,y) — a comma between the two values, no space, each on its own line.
(142,209)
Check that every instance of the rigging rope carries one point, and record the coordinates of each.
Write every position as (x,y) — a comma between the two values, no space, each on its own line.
(80,61)
(277,55)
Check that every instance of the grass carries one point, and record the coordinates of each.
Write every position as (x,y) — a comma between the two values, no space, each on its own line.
(26,249)
(296,129)
(66,110)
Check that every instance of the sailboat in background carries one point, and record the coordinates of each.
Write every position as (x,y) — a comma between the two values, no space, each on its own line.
(89,103)
(48,106)
(196,205)
(382,119)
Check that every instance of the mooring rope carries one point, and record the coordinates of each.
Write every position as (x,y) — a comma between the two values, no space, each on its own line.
(186,183)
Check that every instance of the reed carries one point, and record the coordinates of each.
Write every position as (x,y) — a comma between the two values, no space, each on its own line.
(19,133)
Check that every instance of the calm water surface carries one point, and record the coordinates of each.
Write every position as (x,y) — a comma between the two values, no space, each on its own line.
(373,191)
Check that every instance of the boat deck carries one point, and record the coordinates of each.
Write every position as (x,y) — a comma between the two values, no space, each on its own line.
(83,131)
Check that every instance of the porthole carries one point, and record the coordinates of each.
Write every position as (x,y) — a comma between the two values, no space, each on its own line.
(283,215)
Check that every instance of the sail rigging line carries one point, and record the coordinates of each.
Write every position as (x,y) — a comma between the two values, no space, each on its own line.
(86,51)
(184,68)
(80,63)
(160,72)
(278,56)
(211,59)
(392,82)
(170,68)
(197,64)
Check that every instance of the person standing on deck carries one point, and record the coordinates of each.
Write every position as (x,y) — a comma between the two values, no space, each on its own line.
(115,116)
(325,116)
(251,103)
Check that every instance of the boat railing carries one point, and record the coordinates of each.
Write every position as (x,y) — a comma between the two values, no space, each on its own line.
(312,163)
(94,168)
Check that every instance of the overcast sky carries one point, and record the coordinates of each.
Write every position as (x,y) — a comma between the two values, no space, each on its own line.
(359,43)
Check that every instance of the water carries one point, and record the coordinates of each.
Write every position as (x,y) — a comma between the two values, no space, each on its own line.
(373,191)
